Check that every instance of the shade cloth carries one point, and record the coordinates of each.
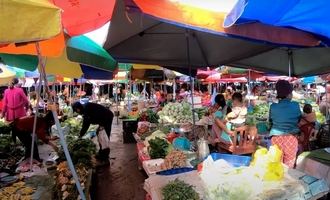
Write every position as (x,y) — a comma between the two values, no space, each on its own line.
(165,44)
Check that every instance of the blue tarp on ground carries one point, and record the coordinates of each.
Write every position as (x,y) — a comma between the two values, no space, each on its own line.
(308,15)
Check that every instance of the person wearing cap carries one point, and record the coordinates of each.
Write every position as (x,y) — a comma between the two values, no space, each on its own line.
(284,117)
(15,102)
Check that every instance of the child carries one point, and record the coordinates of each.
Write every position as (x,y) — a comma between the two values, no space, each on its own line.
(307,127)
(308,116)
(239,110)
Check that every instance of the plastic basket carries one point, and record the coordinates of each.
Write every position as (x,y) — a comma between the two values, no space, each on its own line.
(234,160)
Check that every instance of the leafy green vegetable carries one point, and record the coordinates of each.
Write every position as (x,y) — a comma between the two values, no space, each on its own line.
(261,111)
(81,151)
(158,148)
(179,190)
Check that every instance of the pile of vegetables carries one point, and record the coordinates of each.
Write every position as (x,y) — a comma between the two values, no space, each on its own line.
(74,125)
(65,184)
(158,148)
(9,154)
(148,115)
(4,127)
(179,190)
(201,112)
(261,111)
(18,191)
(81,151)
(320,118)
(175,159)
(143,127)
(176,113)
(153,135)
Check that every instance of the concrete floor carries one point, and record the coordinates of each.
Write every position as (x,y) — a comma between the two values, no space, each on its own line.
(122,180)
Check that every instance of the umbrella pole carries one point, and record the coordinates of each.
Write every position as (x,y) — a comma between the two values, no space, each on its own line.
(59,128)
(191,79)
(249,88)
(117,107)
(35,121)
(290,62)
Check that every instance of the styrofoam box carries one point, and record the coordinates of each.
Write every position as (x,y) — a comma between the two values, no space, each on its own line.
(152,166)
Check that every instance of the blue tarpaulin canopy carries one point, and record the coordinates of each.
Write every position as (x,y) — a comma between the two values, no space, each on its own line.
(311,16)
(309,79)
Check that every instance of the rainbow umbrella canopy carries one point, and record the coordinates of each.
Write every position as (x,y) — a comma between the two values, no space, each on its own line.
(80,49)
(179,36)
(6,75)
(35,20)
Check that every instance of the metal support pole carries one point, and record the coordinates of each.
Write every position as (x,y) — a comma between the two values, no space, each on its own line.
(59,128)
(191,79)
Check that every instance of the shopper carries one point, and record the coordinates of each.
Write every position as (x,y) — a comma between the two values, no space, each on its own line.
(220,132)
(284,118)
(15,102)
(23,127)
(95,114)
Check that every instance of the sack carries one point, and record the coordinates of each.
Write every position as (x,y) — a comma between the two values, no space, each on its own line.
(103,139)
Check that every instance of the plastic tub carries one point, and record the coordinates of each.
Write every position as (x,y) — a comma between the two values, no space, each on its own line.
(234,160)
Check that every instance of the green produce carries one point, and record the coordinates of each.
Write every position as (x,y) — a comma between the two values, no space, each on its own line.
(261,111)
(81,151)
(74,124)
(201,112)
(320,118)
(149,115)
(179,190)
(158,148)
(155,134)
(176,113)
(4,128)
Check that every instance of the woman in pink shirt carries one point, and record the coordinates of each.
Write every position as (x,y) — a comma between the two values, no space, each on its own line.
(15,102)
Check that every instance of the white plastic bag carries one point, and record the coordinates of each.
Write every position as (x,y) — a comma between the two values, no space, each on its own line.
(103,139)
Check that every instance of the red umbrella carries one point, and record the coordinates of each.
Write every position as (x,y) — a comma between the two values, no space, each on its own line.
(217,78)
(203,74)
(276,78)
(254,75)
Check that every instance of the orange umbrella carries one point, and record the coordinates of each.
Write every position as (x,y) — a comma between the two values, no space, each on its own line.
(51,48)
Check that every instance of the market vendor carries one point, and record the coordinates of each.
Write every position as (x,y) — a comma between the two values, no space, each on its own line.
(284,117)
(95,114)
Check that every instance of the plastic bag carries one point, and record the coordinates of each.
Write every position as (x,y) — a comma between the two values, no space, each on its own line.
(267,163)
(103,139)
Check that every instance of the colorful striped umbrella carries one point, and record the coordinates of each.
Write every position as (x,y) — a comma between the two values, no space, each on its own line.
(30,20)
(36,20)
(6,75)
(210,15)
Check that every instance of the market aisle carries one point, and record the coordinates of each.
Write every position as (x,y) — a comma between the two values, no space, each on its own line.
(123,180)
